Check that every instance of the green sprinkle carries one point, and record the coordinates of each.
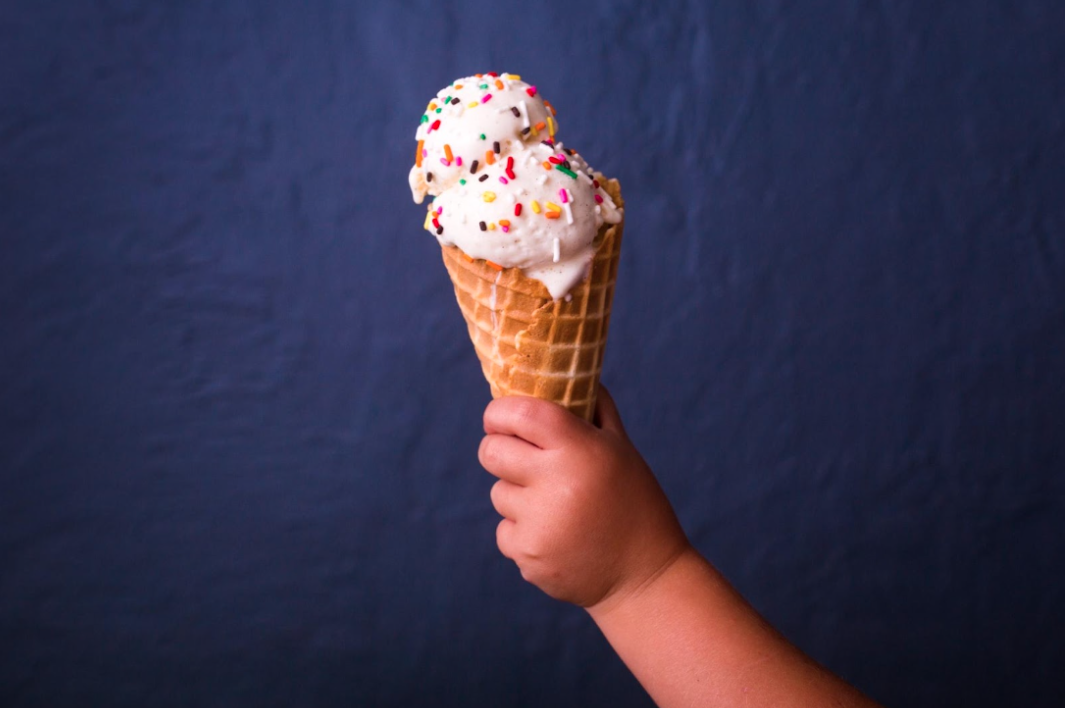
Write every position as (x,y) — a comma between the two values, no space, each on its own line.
(439,109)
(482,137)
(425,119)
(462,181)
(564,171)
(484,86)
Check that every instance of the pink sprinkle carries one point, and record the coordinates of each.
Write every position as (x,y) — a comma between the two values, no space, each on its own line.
(425,153)
(503,179)
(563,196)
(598,199)
(445,162)
(439,211)
(506,229)
(458,161)
(531,90)
(487,98)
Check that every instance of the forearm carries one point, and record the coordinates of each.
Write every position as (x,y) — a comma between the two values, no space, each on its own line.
(692,640)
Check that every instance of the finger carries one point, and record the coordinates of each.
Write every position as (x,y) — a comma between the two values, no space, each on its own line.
(545,424)
(606,413)
(507,499)
(505,533)
(509,458)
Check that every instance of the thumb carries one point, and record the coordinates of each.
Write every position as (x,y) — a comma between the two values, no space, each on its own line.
(606,413)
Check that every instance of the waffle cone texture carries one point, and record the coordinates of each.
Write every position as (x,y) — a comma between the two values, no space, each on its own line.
(530,344)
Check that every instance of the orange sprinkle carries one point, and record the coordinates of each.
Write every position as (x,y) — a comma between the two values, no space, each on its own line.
(447,152)
(490,157)
(418,156)
(504,222)
(432,107)
(552,214)
(494,265)
(458,87)
(546,164)
(469,259)
(478,75)
(540,126)
(551,108)
(499,84)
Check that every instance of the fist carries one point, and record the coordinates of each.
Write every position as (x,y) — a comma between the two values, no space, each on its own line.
(583,516)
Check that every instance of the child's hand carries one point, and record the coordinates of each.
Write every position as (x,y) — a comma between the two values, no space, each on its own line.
(584,518)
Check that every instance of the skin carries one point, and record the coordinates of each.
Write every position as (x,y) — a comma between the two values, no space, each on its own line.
(585,521)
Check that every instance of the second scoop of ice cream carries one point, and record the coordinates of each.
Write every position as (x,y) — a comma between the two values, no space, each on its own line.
(538,209)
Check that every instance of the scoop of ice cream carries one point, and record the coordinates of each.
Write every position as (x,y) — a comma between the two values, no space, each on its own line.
(538,208)
(472,122)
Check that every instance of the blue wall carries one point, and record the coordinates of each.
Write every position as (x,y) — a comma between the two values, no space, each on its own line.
(239,411)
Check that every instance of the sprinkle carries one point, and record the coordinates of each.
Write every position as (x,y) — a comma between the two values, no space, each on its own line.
(490,157)
(510,168)
(513,109)
(483,86)
(552,126)
(569,213)
(502,179)
(517,209)
(482,178)
(595,183)
(418,155)
(478,75)
(555,251)
(428,176)
(524,114)
(541,125)
(472,104)
(434,126)
(484,227)
(482,137)
(546,164)
(494,265)
(525,131)
(535,206)
(531,90)
(489,196)
(428,216)
(495,147)
(569,152)
(504,222)
(598,199)
(458,87)
(445,162)
(499,84)
(550,142)
(473,167)
(469,259)
(438,110)
(565,171)
(425,119)
(458,161)
(432,106)
(563,195)
(491,226)
(454,101)
(493,74)
(555,160)
(447,152)
(462,181)
(506,229)
(487,98)
(436,222)
(512,77)
(552,214)
(553,207)
(550,107)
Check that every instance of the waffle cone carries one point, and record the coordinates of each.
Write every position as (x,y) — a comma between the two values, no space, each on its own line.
(530,344)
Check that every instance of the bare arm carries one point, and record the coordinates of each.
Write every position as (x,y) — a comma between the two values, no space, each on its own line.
(585,520)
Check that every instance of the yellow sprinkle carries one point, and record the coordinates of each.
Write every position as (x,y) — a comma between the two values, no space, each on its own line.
(431,107)
(489,196)
(535,206)
(551,126)
(428,220)
(492,226)
(472,104)
(553,207)
(512,77)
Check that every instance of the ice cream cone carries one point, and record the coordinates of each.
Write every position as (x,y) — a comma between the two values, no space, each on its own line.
(530,344)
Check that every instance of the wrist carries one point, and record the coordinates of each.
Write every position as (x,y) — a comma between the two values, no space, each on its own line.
(683,557)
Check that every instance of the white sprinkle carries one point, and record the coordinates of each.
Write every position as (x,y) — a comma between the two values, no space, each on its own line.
(524,115)
(584,178)
(598,209)
(569,213)
(556,250)
(541,179)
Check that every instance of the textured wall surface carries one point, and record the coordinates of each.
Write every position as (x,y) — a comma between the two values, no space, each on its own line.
(239,411)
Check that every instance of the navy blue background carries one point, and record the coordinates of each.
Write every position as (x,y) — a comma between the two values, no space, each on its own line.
(239,410)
